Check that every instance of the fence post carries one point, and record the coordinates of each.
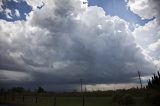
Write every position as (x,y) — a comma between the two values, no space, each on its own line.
(13,98)
(55,101)
(36,99)
(83,100)
(23,98)
(5,96)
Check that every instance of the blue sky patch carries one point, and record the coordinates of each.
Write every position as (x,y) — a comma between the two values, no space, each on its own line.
(119,8)
(11,8)
(112,7)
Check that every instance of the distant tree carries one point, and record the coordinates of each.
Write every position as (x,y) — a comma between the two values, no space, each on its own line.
(154,83)
(17,90)
(158,74)
(2,90)
(40,90)
(149,84)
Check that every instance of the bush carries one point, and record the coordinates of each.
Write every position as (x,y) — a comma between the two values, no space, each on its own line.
(123,99)
(147,97)
(117,98)
(127,99)
(155,99)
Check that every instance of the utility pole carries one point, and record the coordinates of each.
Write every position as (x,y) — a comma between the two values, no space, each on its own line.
(140,81)
(81,86)
(85,89)
(83,101)
(55,101)
(83,98)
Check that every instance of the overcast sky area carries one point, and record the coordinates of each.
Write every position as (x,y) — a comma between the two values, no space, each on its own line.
(55,43)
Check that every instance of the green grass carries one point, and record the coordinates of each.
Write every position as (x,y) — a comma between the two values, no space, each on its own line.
(65,101)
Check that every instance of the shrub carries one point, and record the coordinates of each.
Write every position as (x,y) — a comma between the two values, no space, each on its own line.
(147,97)
(117,98)
(127,99)
(123,99)
(155,99)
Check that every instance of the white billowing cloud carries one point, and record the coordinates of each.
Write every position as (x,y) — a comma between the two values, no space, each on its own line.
(35,3)
(8,13)
(17,13)
(16,1)
(142,8)
(155,49)
(147,36)
(66,40)
(146,9)
(154,46)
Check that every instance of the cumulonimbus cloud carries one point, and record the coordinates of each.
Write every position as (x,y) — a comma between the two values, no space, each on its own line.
(66,40)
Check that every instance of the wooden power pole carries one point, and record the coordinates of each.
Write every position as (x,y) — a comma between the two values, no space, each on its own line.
(81,85)
(140,81)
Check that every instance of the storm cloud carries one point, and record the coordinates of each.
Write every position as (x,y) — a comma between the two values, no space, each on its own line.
(65,41)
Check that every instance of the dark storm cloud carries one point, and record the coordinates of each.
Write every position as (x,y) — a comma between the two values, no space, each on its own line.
(64,42)
(89,52)
(6,61)
(32,63)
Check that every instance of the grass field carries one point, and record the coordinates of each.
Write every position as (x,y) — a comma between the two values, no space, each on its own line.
(65,101)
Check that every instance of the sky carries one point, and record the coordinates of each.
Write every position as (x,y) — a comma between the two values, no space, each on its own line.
(56,43)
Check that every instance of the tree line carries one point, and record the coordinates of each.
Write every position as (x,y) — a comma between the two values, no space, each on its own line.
(154,82)
(20,90)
